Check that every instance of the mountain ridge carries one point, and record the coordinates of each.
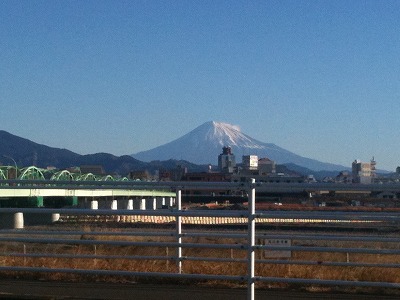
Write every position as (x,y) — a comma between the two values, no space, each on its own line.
(203,144)
(27,153)
(207,141)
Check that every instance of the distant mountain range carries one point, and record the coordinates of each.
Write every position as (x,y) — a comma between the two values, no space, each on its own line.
(203,145)
(28,153)
(195,151)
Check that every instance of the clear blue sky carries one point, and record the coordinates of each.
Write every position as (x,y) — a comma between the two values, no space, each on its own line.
(318,78)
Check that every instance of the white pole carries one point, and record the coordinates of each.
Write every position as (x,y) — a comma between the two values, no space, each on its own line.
(179,230)
(251,241)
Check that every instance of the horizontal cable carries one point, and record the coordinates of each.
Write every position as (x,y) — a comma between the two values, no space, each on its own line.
(124,273)
(121,243)
(329,249)
(127,257)
(348,238)
(329,263)
(329,282)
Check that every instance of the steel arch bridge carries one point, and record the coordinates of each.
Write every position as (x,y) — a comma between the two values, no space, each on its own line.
(36,173)
(5,172)
(32,173)
(62,175)
(3,175)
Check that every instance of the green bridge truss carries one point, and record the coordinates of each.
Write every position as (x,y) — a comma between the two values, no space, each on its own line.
(35,173)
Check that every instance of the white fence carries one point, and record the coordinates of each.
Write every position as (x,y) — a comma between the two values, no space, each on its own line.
(258,247)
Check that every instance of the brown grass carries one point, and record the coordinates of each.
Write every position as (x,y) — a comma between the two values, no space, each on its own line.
(201,267)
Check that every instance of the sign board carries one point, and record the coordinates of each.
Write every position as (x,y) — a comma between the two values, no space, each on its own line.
(269,253)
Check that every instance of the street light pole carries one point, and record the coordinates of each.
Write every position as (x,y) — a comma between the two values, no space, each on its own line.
(15,163)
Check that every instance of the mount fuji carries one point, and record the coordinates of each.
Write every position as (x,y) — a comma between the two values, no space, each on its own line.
(203,145)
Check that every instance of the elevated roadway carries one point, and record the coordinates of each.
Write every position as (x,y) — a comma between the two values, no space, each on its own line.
(327,187)
(32,188)
(77,192)
(51,188)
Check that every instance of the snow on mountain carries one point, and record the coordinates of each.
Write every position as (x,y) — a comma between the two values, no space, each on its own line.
(203,145)
(227,134)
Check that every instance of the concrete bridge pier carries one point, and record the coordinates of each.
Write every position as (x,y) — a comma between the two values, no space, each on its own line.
(142,204)
(94,204)
(129,205)
(12,220)
(154,203)
(55,217)
(114,204)
(19,220)
(151,203)
(171,201)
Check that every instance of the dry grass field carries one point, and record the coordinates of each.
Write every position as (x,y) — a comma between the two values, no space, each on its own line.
(11,254)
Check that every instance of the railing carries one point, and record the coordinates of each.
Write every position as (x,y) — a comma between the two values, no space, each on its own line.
(248,254)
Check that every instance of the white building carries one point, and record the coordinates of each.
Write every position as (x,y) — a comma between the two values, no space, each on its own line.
(363,172)
(250,162)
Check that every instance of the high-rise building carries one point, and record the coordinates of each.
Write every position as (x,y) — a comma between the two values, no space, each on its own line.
(363,172)
(250,162)
(226,160)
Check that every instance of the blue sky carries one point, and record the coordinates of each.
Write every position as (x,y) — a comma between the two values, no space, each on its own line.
(318,78)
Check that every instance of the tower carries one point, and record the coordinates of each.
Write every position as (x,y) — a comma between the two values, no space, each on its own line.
(226,160)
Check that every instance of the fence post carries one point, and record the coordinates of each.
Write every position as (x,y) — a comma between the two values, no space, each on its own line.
(167,261)
(251,230)
(24,255)
(179,229)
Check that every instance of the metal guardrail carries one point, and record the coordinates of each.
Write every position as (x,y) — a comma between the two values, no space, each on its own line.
(23,242)
(261,186)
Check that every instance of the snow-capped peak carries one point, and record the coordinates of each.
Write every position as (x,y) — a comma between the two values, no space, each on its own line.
(203,144)
(225,126)
(228,135)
